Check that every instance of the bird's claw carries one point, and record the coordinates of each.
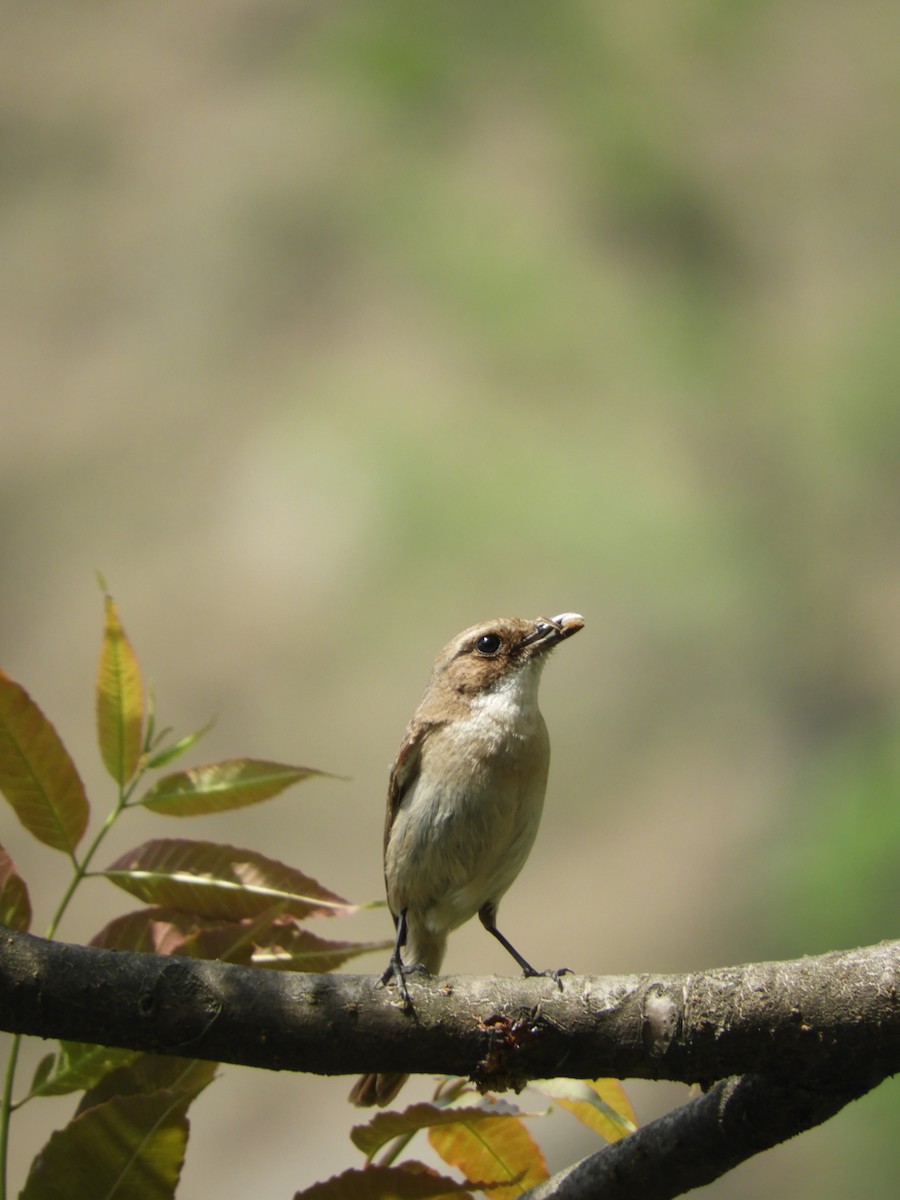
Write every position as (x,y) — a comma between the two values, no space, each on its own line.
(554,974)
(398,970)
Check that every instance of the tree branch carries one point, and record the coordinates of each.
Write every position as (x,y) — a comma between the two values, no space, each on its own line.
(813,1015)
(804,1037)
(698,1142)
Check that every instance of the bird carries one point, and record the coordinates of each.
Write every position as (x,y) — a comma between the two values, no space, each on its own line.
(465,797)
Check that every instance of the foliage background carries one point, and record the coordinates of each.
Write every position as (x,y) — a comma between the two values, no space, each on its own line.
(330,329)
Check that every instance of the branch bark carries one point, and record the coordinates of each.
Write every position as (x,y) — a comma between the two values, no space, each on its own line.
(699,1142)
(788,1018)
(803,1037)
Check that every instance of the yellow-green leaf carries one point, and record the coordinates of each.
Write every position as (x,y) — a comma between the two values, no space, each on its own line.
(409,1181)
(216,787)
(120,700)
(383,1127)
(166,754)
(220,881)
(77,1066)
(488,1147)
(148,1074)
(601,1104)
(15,906)
(37,775)
(129,1148)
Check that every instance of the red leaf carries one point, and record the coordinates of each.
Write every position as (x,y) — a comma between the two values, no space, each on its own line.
(15,907)
(171,931)
(219,881)
(409,1181)
(286,946)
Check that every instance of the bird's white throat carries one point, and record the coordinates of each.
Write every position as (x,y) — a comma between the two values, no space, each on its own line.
(513,700)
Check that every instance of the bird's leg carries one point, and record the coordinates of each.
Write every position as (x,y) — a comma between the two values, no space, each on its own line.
(487,914)
(396,968)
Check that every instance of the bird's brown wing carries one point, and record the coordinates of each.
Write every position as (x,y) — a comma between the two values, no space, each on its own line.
(405,771)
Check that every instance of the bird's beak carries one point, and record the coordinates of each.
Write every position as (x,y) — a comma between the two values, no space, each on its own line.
(550,630)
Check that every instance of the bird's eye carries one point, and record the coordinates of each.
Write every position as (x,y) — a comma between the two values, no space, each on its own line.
(488,643)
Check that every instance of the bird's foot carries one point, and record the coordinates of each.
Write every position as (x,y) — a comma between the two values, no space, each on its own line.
(531,973)
(397,969)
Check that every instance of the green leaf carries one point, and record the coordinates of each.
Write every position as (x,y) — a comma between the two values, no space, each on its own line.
(15,906)
(37,776)
(288,947)
(120,700)
(76,1066)
(217,787)
(385,1126)
(484,1147)
(41,1074)
(409,1181)
(149,1073)
(168,753)
(129,1148)
(150,724)
(219,881)
(601,1104)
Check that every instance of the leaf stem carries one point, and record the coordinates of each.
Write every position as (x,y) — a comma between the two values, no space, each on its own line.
(6,1110)
(81,869)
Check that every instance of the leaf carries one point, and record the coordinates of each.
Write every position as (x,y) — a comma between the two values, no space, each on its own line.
(37,776)
(76,1066)
(150,707)
(219,881)
(270,940)
(129,1148)
(15,906)
(383,1127)
(487,1147)
(120,700)
(601,1104)
(41,1074)
(149,1073)
(168,753)
(220,786)
(171,931)
(290,948)
(409,1181)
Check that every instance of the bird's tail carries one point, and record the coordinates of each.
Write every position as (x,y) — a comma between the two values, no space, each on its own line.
(376,1089)
(424,949)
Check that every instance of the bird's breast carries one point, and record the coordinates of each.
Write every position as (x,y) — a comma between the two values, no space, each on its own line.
(468,821)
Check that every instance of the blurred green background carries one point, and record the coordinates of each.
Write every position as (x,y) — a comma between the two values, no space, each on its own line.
(330,329)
